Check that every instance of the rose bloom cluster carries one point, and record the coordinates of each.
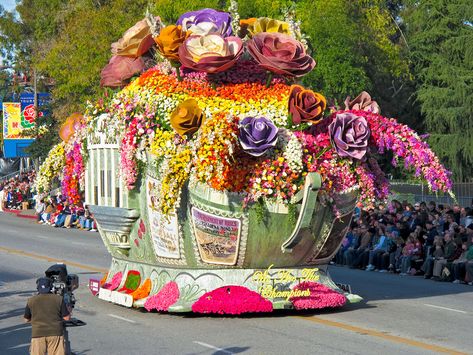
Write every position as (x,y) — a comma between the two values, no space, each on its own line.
(224,108)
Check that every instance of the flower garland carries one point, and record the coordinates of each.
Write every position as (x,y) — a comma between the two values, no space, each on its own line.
(51,168)
(73,174)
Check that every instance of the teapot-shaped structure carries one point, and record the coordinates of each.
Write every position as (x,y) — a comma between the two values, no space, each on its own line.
(217,255)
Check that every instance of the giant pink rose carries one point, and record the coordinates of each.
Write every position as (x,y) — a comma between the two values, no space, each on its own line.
(211,53)
(280,54)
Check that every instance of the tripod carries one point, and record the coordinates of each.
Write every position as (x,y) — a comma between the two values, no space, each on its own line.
(73,322)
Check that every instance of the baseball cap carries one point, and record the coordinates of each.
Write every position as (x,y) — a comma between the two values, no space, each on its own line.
(43,284)
(417,204)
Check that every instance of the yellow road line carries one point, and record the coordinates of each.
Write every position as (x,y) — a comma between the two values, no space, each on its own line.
(382,335)
(49,259)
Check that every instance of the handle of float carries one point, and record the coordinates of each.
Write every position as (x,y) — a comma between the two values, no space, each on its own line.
(312,185)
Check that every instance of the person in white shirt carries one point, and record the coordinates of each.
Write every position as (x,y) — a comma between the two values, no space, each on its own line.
(2,198)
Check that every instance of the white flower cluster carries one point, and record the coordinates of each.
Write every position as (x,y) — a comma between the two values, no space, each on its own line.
(293,153)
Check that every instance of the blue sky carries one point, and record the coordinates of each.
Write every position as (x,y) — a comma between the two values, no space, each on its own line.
(8,4)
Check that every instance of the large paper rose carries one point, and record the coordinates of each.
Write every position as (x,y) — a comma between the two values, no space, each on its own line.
(117,72)
(305,105)
(362,102)
(349,135)
(135,42)
(280,54)
(169,40)
(206,21)
(257,135)
(211,53)
(266,24)
(187,118)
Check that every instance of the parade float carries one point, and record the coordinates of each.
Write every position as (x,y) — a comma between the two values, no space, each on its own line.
(218,182)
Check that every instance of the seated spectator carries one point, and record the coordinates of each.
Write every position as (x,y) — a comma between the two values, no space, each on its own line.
(448,255)
(378,249)
(64,213)
(435,253)
(459,265)
(39,209)
(346,243)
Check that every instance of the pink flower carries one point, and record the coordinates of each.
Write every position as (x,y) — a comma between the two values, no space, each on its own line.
(164,299)
(320,297)
(116,281)
(232,300)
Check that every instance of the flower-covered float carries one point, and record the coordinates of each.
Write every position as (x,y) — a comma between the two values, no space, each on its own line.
(219,183)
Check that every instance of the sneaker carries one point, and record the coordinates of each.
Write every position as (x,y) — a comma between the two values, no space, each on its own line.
(457,282)
(93,230)
(383,270)
(402,274)
(470,283)
(370,267)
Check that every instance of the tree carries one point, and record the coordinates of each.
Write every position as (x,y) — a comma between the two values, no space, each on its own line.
(440,37)
(82,48)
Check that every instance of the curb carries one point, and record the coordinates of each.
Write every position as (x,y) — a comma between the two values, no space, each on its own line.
(18,214)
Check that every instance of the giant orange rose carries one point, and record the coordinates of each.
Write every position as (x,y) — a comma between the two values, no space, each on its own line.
(169,40)
(305,105)
(187,118)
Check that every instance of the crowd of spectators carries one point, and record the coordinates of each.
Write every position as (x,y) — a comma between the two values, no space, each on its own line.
(15,193)
(435,241)
(58,212)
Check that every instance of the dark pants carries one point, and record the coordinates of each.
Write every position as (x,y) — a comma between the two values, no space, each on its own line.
(428,266)
(459,270)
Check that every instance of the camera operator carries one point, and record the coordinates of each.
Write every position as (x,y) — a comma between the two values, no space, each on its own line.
(46,312)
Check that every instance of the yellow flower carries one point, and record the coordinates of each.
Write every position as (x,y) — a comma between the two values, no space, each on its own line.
(266,24)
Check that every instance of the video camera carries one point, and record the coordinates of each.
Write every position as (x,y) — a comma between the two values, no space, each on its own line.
(62,283)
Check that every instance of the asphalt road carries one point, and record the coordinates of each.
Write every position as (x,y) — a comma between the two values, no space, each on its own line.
(399,315)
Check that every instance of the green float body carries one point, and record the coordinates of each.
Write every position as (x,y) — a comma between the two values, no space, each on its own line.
(214,241)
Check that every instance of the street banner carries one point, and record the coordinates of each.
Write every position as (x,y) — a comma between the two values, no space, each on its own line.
(17,117)
(11,120)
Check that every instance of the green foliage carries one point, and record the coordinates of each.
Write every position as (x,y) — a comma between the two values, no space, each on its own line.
(440,36)
(45,132)
(82,48)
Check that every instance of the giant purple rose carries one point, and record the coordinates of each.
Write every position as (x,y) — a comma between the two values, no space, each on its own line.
(349,135)
(257,135)
(206,21)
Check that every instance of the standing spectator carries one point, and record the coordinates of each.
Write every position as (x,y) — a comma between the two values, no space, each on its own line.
(46,312)
(2,197)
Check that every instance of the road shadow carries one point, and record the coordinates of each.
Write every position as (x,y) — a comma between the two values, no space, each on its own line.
(224,351)
(15,340)
(13,313)
(375,286)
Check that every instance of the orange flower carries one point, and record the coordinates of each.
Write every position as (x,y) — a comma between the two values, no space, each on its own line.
(169,40)
(70,126)
(142,291)
(187,118)
(244,24)
(306,105)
